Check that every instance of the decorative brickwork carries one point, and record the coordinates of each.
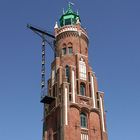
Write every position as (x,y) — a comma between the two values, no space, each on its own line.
(73,90)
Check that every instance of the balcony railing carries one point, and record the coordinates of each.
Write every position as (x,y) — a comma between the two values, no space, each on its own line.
(45,98)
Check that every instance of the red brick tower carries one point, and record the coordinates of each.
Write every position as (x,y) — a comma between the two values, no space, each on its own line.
(73,105)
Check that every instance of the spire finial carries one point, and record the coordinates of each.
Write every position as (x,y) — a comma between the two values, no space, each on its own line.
(78,20)
(70,3)
(56,25)
(63,11)
(77,12)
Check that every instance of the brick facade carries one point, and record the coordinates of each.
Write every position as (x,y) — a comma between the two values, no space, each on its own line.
(73,90)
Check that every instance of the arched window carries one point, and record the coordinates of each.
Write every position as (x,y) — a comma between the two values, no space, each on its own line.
(70,51)
(67,72)
(83,120)
(64,51)
(82,89)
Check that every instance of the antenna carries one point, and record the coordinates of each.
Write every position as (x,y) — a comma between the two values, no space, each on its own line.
(45,36)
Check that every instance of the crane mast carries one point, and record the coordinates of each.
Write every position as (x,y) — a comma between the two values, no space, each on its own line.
(43,71)
(44,36)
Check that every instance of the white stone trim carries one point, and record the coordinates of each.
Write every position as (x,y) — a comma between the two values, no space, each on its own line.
(102,114)
(93,92)
(66,106)
(53,76)
(84,136)
(46,135)
(73,86)
(70,28)
(79,54)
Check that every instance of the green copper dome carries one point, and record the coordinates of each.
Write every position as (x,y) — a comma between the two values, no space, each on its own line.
(69,17)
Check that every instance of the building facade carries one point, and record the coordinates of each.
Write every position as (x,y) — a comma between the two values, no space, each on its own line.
(73,105)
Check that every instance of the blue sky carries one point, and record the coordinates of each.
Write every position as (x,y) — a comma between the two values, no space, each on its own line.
(114,32)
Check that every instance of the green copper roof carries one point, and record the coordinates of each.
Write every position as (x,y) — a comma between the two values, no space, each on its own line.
(69,17)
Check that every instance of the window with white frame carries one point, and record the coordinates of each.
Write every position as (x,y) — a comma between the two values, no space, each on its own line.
(82,89)
(70,48)
(63,51)
(82,69)
(83,120)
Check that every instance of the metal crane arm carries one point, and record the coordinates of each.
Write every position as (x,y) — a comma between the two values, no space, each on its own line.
(40,31)
(43,34)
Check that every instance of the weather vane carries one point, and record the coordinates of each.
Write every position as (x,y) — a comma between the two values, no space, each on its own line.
(70,3)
